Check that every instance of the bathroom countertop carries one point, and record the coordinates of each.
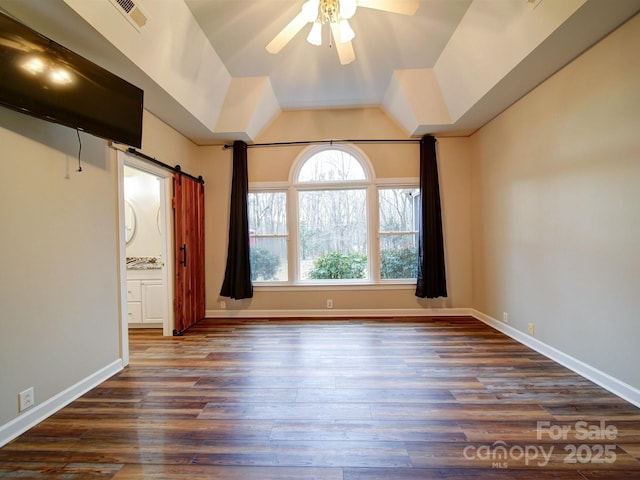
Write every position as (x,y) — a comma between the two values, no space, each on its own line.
(144,263)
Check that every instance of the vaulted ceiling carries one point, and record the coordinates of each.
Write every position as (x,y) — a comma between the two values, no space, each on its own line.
(303,75)
(447,70)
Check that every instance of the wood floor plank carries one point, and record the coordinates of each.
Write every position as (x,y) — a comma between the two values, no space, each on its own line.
(379,395)
(609,475)
(518,455)
(632,449)
(530,432)
(409,382)
(453,412)
(228,395)
(288,411)
(357,430)
(70,471)
(354,399)
(456,474)
(301,453)
(191,472)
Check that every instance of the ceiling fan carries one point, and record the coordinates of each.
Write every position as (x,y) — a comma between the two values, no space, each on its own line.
(336,13)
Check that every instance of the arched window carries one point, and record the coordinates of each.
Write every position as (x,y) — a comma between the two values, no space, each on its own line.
(331,189)
(333,222)
(330,165)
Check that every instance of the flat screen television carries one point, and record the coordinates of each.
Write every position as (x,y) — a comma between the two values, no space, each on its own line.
(42,78)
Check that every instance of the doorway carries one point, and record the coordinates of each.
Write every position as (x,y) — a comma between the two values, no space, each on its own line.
(146,246)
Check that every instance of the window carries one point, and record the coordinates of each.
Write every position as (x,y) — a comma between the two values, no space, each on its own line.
(332,234)
(344,229)
(268,235)
(332,217)
(398,218)
(331,166)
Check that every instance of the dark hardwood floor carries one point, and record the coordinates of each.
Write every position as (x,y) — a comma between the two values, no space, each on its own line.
(388,399)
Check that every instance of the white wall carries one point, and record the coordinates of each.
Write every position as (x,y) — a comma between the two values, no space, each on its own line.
(142,191)
(59,314)
(556,209)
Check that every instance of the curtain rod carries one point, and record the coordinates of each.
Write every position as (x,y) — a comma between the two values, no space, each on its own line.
(326,142)
(175,169)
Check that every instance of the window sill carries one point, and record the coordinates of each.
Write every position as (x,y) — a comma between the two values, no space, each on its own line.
(301,287)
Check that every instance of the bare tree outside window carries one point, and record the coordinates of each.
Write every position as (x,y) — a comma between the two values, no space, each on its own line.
(268,236)
(331,166)
(331,221)
(399,216)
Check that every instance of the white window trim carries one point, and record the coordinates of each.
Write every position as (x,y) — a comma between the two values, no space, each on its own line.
(405,182)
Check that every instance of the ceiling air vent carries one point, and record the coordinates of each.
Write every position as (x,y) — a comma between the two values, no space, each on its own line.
(132,11)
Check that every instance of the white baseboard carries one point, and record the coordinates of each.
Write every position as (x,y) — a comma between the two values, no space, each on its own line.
(334,312)
(32,417)
(606,381)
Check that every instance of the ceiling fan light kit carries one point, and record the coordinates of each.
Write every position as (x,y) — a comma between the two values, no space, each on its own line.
(335,13)
(320,12)
(315,35)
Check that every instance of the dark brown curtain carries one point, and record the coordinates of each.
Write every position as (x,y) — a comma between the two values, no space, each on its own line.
(237,277)
(189,288)
(432,282)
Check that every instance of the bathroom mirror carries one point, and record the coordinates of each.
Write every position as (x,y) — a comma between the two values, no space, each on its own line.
(129,222)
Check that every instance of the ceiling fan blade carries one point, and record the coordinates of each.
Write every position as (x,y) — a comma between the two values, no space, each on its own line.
(403,7)
(287,33)
(344,49)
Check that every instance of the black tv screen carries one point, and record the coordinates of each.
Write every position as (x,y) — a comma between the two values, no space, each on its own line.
(42,78)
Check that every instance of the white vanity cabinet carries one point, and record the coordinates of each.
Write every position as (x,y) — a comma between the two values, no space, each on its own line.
(134,301)
(146,303)
(152,301)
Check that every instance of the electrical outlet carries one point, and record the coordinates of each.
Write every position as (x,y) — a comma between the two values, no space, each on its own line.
(505,317)
(532,330)
(223,304)
(329,303)
(26,399)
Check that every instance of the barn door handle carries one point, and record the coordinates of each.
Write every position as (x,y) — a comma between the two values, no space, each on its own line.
(184,254)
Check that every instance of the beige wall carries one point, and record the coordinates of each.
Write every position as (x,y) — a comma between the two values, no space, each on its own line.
(273,164)
(59,314)
(163,143)
(59,253)
(556,209)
